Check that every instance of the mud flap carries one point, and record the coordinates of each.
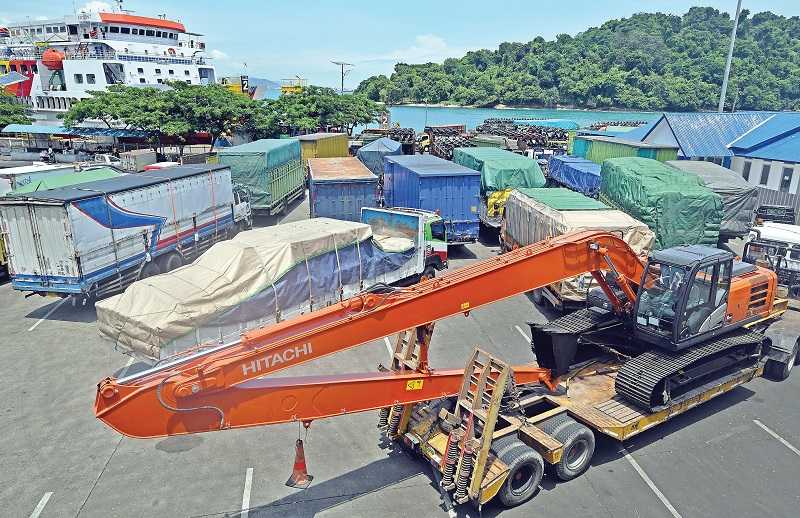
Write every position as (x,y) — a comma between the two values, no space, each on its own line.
(780,342)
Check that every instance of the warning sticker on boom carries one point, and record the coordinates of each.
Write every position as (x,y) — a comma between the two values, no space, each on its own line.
(414,385)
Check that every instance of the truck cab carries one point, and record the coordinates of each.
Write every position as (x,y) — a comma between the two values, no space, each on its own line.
(776,246)
(242,210)
(435,239)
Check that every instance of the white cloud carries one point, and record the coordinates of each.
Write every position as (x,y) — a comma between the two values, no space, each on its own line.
(41,18)
(95,7)
(426,48)
(219,55)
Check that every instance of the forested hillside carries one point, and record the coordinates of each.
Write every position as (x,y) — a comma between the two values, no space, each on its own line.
(645,62)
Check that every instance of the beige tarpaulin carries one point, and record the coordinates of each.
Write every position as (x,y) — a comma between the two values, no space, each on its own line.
(529,221)
(153,311)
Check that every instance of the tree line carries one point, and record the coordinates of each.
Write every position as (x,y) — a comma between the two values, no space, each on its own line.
(650,61)
(176,113)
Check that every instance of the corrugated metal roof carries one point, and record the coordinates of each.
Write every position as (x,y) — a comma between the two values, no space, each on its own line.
(708,134)
(777,126)
(785,149)
(40,129)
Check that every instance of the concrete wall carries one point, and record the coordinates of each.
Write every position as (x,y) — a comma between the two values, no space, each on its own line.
(775,172)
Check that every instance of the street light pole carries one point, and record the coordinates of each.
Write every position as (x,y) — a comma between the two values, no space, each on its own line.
(344,71)
(724,92)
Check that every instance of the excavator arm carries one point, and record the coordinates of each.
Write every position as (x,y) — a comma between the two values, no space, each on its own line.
(225,387)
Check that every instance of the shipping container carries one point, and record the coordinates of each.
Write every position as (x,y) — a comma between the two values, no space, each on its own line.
(324,145)
(97,237)
(18,177)
(431,183)
(600,148)
(269,169)
(340,187)
(136,160)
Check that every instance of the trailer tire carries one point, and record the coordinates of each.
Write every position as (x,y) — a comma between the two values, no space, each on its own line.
(553,425)
(172,261)
(537,296)
(525,471)
(150,269)
(778,371)
(579,443)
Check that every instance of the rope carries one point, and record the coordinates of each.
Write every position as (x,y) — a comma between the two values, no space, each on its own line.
(338,267)
(360,269)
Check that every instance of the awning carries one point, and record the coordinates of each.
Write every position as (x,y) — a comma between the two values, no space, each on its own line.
(39,129)
(12,78)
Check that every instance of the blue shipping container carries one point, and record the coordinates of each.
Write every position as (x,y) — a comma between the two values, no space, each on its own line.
(431,183)
(340,187)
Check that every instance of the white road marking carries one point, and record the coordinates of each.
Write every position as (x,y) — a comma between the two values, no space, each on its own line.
(248,485)
(124,371)
(40,506)
(776,436)
(674,512)
(52,310)
(388,345)
(524,335)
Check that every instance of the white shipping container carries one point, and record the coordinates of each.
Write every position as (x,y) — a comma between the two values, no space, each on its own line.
(13,178)
(137,159)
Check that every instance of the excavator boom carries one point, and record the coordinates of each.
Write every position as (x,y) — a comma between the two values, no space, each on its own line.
(224,387)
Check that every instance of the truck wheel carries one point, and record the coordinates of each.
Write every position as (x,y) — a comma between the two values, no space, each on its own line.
(150,269)
(525,471)
(777,371)
(172,262)
(538,297)
(578,443)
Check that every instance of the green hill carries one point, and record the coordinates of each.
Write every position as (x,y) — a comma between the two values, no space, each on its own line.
(650,61)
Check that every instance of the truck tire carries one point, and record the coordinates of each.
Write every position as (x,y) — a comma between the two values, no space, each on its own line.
(525,471)
(537,296)
(778,371)
(150,269)
(171,262)
(553,425)
(578,441)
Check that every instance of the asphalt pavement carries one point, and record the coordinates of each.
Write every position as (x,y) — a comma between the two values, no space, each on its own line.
(734,456)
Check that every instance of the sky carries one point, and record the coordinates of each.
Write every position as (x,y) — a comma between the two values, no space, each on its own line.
(276,40)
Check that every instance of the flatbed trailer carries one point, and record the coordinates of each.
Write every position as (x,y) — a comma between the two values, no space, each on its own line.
(559,427)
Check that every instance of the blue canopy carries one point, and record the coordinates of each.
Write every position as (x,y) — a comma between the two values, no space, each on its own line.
(40,129)
(372,154)
(12,78)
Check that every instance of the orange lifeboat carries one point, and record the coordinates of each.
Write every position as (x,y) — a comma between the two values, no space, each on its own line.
(53,59)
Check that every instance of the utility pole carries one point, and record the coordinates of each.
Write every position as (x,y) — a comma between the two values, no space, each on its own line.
(724,92)
(345,71)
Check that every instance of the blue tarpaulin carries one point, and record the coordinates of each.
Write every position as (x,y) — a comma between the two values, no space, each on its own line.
(372,154)
(579,174)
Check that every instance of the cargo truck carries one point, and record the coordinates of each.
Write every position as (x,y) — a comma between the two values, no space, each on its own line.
(96,238)
(431,183)
(776,246)
(340,187)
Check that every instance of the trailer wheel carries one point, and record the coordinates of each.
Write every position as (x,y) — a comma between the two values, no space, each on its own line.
(578,442)
(525,471)
(150,269)
(537,296)
(777,371)
(172,261)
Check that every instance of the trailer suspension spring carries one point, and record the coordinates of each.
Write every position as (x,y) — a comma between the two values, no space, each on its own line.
(464,472)
(451,458)
(394,422)
(383,417)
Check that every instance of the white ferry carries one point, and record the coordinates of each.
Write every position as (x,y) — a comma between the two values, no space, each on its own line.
(50,64)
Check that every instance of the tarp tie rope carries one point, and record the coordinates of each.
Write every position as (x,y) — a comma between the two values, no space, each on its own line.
(310,287)
(360,268)
(338,267)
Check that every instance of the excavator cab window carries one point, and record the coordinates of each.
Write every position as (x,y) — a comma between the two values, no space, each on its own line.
(659,297)
(707,300)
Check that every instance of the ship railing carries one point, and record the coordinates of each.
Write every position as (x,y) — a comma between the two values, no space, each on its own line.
(133,56)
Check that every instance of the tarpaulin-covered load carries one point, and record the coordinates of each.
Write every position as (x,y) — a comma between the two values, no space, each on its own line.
(675,205)
(532,215)
(577,173)
(739,198)
(259,277)
(500,169)
(56,181)
(270,169)
(372,154)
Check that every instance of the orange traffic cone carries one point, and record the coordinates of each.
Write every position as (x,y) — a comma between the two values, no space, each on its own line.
(300,477)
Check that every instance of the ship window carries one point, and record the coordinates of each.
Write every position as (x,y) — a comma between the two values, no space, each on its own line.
(113,29)
(140,70)
(158,34)
(90,79)
(73,29)
(78,78)
(4,69)
(134,31)
(171,72)
(14,68)
(141,80)
(125,30)
(149,33)
(49,30)
(158,71)
(62,29)
(23,68)
(186,72)
(34,68)
(159,80)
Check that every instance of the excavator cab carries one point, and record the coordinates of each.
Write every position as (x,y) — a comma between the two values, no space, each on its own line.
(683,296)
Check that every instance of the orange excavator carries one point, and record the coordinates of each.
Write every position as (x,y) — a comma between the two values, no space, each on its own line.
(666,330)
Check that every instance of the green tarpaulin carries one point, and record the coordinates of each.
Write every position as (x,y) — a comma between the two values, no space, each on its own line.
(675,205)
(500,169)
(269,168)
(101,173)
(560,198)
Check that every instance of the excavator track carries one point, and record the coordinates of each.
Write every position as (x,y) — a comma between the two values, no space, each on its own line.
(657,378)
